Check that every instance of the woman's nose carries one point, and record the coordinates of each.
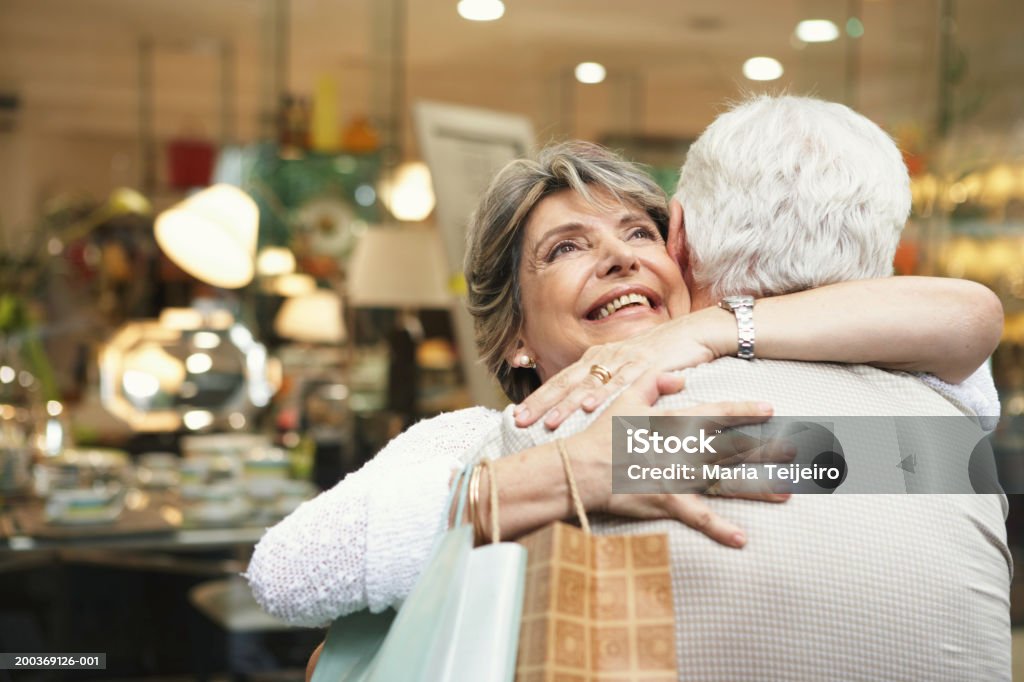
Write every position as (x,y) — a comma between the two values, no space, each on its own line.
(616,258)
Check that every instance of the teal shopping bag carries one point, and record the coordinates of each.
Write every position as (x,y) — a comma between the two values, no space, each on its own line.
(460,622)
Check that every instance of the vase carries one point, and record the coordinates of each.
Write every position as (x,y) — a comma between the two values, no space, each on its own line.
(21,416)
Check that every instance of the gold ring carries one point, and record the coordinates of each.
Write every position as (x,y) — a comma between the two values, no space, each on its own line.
(602,373)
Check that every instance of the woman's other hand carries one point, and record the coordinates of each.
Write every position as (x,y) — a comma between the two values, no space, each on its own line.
(591,450)
(685,342)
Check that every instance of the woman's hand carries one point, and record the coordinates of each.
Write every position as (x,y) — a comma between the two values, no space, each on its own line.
(591,452)
(684,342)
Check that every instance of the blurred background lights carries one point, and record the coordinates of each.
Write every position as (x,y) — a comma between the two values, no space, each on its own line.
(481,10)
(817,31)
(197,363)
(365,195)
(854,27)
(206,340)
(197,419)
(275,260)
(762,69)
(409,194)
(590,72)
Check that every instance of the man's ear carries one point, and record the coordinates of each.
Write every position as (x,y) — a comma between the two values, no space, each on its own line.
(677,234)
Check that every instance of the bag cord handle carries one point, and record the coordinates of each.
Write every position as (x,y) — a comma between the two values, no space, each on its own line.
(574,492)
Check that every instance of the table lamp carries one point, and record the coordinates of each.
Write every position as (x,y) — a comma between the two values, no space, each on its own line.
(401,268)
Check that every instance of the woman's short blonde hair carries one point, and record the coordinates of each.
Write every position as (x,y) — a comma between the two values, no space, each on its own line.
(495,238)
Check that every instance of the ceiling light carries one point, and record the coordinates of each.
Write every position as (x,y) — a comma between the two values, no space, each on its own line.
(481,10)
(762,69)
(590,72)
(817,31)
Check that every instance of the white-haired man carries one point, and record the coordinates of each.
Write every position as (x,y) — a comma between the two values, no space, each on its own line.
(778,195)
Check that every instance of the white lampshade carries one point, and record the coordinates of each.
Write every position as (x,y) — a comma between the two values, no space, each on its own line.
(399,267)
(212,236)
(312,318)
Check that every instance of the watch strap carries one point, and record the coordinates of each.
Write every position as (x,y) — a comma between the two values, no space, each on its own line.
(742,308)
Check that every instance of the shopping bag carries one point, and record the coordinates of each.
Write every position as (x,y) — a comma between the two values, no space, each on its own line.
(460,622)
(596,607)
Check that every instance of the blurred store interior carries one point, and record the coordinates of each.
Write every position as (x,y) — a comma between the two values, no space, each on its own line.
(171,382)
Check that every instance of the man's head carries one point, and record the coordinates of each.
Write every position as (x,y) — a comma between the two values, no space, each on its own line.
(782,194)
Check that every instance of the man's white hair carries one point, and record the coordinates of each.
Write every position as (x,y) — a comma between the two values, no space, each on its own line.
(782,194)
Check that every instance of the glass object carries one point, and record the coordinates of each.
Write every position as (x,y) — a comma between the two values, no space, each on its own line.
(20,417)
(158,376)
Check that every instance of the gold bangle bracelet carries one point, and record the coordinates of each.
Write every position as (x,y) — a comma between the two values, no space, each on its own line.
(474,502)
(493,498)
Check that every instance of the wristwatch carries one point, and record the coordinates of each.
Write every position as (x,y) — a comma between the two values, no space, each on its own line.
(743,308)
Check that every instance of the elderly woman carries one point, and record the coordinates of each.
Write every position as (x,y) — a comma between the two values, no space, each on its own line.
(566,252)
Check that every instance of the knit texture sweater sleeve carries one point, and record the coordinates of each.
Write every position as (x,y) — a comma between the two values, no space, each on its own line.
(364,542)
(977,392)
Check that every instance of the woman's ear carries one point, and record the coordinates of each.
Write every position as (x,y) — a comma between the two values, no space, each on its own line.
(521,357)
(677,235)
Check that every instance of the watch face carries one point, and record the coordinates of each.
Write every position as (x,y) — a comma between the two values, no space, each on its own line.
(733,302)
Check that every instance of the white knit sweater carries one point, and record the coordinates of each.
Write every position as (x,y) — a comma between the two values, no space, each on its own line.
(364,542)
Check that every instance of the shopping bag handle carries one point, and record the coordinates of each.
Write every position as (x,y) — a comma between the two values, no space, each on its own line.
(574,492)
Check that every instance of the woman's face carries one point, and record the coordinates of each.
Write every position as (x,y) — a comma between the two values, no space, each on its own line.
(591,275)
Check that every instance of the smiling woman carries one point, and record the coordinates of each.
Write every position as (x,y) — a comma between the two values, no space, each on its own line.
(555,241)
(593,271)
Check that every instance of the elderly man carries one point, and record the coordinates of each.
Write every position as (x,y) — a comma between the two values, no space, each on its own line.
(780,195)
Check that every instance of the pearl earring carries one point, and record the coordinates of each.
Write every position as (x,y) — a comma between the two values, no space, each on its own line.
(526,362)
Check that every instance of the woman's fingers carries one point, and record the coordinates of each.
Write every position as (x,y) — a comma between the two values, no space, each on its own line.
(592,393)
(762,488)
(671,382)
(695,513)
(728,412)
(540,402)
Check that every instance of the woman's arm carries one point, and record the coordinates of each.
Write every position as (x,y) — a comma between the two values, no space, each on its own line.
(946,327)
(533,490)
(364,542)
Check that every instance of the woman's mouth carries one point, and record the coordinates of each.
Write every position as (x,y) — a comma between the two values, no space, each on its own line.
(617,304)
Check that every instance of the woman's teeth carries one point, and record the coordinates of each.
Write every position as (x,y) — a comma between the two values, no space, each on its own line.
(621,302)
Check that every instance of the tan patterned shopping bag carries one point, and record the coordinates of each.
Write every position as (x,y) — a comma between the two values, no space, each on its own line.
(596,608)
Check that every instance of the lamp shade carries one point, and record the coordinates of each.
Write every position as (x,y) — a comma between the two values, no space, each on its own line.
(398,267)
(312,318)
(212,236)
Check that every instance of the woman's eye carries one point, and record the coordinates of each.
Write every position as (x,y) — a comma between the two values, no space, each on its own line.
(561,249)
(644,233)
